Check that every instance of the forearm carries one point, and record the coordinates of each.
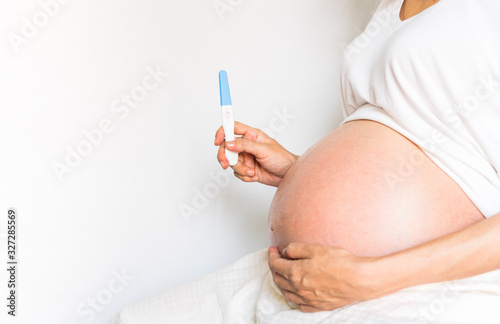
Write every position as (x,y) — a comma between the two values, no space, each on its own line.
(469,252)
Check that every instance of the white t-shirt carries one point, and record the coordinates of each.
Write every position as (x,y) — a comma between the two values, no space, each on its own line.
(435,78)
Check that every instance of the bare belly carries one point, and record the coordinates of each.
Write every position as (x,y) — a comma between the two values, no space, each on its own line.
(370,190)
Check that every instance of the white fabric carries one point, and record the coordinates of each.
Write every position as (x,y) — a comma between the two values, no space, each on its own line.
(435,78)
(245,293)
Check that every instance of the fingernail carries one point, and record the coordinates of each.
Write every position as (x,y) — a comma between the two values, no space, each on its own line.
(255,178)
(221,163)
(250,173)
(230,144)
(284,251)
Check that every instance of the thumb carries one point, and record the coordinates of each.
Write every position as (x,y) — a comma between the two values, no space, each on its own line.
(298,251)
(243,145)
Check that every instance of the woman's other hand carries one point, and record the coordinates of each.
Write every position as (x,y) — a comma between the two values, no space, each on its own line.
(320,278)
(260,159)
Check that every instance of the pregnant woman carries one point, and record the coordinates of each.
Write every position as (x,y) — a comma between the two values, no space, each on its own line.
(406,191)
(395,213)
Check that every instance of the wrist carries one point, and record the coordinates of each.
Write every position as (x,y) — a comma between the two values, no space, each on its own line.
(292,159)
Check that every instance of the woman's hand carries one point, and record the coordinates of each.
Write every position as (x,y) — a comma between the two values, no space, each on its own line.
(319,278)
(260,158)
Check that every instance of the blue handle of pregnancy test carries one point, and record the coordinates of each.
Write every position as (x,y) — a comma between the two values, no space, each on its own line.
(225,95)
(227,115)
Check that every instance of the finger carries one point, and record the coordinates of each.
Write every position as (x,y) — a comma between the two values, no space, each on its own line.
(246,178)
(296,251)
(221,157)
(279,264)
(245,130)
(290,296)
(308,308)
(243,167)
(219,136)
(239,129)
(248,160)
(282,282)
(244,145)
(272,248)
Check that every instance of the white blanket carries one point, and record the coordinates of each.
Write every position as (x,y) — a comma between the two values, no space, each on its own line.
(244,292)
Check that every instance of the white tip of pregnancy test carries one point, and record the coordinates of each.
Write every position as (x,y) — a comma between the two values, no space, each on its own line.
(232,157)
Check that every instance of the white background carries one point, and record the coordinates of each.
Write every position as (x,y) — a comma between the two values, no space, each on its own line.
(119,208)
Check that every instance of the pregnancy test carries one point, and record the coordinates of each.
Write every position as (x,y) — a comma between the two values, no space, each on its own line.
(227,115)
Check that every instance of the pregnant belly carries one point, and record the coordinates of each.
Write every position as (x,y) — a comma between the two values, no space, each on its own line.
(370,190)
